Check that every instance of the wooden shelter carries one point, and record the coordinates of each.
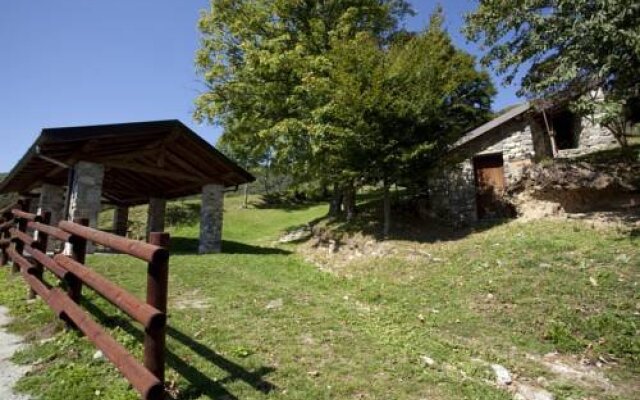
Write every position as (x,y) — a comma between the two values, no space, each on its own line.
(163,159)
(132,163)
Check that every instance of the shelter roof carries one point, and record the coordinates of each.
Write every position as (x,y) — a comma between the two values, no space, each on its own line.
(494,123)
(162,159)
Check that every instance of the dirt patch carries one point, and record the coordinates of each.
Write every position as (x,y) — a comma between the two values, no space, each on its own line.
(191,300)
(531,208)
(572,369)
(9,372)
(334,254)
(570,187)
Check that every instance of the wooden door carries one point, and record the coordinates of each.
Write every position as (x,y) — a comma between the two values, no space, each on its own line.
(490,185)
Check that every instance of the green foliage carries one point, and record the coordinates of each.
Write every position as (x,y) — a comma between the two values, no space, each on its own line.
(333,91)
(255,58)
(566,49)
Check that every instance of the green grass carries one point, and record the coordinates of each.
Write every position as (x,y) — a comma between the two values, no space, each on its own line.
(553,285)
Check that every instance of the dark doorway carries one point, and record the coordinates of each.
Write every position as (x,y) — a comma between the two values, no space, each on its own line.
(564,127)
(490,185)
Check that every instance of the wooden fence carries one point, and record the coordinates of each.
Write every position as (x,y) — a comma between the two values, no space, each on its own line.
(23,240)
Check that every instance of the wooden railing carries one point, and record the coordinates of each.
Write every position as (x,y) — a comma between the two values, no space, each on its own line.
(23,240)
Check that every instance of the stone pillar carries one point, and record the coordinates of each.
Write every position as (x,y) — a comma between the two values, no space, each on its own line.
(52,200)
(86,194)
(211,219)
(155,215)
(33,205)
(121,220)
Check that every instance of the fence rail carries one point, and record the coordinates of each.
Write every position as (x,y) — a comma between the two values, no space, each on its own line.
(23,240)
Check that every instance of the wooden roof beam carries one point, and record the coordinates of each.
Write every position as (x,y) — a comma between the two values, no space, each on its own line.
(152,171)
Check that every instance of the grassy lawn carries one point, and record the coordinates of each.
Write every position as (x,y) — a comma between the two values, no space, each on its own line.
(260,322)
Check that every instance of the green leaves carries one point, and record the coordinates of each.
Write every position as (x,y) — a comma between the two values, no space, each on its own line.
(565,49)
(333,90)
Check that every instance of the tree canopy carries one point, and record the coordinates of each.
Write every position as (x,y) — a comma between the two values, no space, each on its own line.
(566,49)
(257,59)
(335,91)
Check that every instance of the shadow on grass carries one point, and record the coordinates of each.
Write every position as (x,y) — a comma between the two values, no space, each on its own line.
(199,383)
(275,202)
(189,246)
(406,225)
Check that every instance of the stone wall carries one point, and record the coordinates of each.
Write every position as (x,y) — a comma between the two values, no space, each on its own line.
(121,220)
(521,142)
(591,138)
(155,215)
(452,193)
(86,195)
(52,200)
(211,219)
(452,189)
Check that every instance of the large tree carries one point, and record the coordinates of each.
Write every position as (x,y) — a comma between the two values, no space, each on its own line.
(565,50)
(257,58)
(393,109)
(333,91)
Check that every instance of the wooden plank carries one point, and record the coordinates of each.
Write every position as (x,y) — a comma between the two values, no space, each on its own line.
(153,171)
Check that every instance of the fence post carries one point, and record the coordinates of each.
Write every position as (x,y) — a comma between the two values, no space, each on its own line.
(22,227)
(78,253)
(4,258)
(157,287)
(40,244)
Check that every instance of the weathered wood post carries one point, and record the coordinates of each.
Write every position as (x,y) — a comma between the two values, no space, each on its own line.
(40,244)
(22,227)
(157,288)
(4,258)
(78,253)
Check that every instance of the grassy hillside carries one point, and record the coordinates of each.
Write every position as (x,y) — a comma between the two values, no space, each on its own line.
(260,322)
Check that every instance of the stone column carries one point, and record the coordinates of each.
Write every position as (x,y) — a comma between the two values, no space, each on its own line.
(155,215)
(52,200)
(86,194)
(33,205)
(120,220)
(211,219)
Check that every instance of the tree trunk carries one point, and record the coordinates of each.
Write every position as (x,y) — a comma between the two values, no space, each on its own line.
(335,206)
(619,132)
(349,202)
(387,210)
(266,180)
(245,203)
(325,191)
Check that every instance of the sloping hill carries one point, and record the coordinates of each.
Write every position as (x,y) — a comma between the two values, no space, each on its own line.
(554,303)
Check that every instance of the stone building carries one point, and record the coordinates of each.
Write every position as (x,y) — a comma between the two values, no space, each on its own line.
(482,164)
(75,172)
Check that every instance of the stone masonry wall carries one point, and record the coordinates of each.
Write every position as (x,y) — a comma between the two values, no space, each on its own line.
(52,200)
(452,190)
(155,215)
(86,194)
(211,219)
(591,138)
(121,220)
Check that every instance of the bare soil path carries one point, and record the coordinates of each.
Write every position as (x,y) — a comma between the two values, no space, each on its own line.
(9,372)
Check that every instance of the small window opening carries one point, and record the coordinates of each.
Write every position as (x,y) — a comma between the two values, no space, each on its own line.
(564,127)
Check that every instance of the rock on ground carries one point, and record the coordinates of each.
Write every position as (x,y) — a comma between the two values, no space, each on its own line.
(9,372)
(503,377)
(301,233)
(526,392)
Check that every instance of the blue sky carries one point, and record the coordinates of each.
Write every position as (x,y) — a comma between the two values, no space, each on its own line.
(79,62)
